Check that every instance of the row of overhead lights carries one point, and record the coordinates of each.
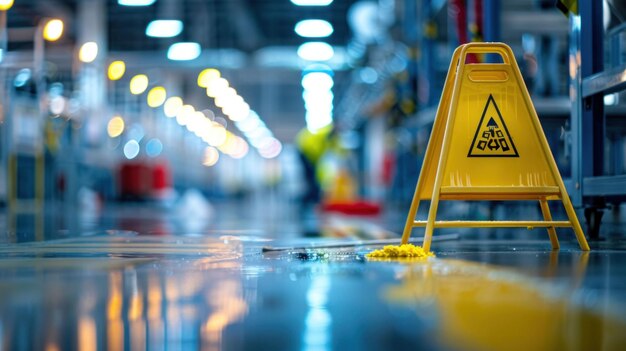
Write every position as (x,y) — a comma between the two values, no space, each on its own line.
(237,110)
(317,83)
(203,124)
(183,51)
(314,28)
(317,79)
(168,28)
(318,100)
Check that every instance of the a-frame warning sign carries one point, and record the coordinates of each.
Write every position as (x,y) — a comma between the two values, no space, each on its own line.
(492,138)
(487,144)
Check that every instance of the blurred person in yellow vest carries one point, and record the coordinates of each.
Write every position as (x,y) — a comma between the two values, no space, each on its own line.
(311,147)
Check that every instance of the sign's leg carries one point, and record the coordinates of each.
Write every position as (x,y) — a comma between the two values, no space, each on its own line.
(547,216)
(408,226)
(571,215)
(430,223)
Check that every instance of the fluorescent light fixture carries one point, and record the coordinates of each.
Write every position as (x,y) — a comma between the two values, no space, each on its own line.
(318,81)
(183,51)
(135,2)
(164,28)
(312,2)
(316,51)
(313,28)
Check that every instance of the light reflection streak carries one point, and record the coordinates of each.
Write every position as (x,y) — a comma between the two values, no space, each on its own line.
(115,330)
(136,320)
(155,298)
(229,307)
(87,340)
(317,325)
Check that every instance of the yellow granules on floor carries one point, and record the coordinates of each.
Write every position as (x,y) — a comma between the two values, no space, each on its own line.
(404,250)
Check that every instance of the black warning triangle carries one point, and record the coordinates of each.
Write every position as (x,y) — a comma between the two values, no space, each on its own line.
(492,139)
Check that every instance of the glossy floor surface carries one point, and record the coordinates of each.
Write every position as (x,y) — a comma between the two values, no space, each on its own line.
(239,278)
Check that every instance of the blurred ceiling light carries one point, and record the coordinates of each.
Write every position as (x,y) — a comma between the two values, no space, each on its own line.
(238,112)
(316,51)
(53,30)
(368,75)
(116,70)
(22,77)
(57,105)
(156,96)
(228,102)
(115,127)
(172,106)
(318,81)
(164,28)
(217,135)
(211,156)
(138,84)
(154,147)
(251,122)
(322,96)
(5,5)
(88,52)
(183,51)
(271,149)
(313,28)
(131,149)
(316,121)
(230,91)
(312,2)
(136,2)
(184,114)
(258,137)
(206,76)
(216,86)
(195,121)
(240,148)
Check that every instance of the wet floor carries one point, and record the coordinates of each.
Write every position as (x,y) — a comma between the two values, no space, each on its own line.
(217,288)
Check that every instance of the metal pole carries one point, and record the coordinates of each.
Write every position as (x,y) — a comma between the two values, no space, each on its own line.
(40,81)
(3,35)
(3,104)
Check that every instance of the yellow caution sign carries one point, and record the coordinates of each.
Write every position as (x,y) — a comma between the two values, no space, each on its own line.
(487,144)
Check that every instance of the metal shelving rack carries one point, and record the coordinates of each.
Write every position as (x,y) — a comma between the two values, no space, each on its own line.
(590,186)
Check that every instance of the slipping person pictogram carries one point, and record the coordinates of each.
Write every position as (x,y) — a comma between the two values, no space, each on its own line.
(492,139)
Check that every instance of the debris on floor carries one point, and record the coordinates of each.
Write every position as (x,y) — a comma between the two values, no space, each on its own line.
(404,250)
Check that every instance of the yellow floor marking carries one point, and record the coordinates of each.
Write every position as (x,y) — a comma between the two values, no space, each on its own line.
(482,307)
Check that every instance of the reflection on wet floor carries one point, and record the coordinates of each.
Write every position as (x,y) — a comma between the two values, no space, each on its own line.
(220,287)
(482,307)
(114,292)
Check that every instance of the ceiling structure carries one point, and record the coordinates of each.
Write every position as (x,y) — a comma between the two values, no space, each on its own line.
(252,41)
(246,25)
(236,36)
